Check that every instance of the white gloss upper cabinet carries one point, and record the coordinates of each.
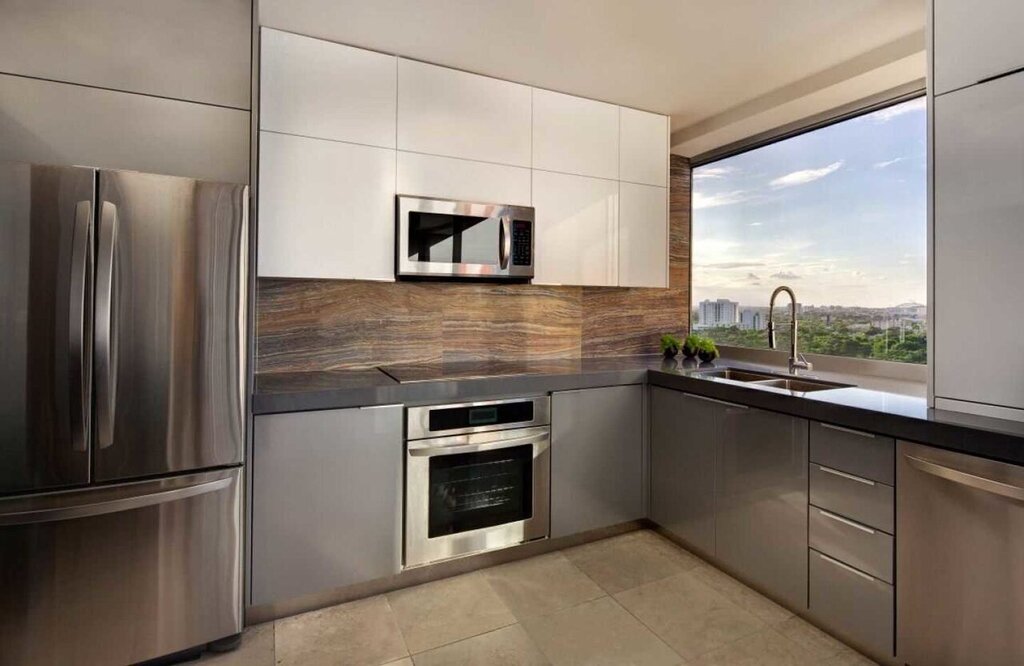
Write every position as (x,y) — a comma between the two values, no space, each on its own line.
(643,235)
(979,243)
(452,113)
(575,135)
(463,180)
(974,40)
(643,147)
(327,209)
(576,229)
(321,89)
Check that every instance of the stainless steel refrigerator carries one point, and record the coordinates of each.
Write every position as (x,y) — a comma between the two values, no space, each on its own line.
(122,412)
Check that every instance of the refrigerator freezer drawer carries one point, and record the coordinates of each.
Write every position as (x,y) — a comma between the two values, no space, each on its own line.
(120,574)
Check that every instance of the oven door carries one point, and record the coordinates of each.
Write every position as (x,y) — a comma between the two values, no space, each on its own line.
(444,238)
(472,493)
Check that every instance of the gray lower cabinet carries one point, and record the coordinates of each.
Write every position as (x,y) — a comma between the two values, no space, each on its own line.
(683,466)
(761,500)
(854,605)
(326,500)
(596,458)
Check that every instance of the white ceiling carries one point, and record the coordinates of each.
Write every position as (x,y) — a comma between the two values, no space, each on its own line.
(692,59)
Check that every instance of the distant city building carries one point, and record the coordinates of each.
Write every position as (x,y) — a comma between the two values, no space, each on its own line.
(754,319)
(721,312)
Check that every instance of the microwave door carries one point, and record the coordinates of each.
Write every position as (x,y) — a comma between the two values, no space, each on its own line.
(451,244)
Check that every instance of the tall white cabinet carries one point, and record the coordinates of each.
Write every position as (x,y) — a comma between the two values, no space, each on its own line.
(343,130)
(977,207)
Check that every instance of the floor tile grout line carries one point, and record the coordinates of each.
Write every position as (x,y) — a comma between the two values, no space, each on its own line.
(647,626)
(401,634)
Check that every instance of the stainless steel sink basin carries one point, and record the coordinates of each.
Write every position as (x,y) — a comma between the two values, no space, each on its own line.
(737,375)
(767,379)
(801,385)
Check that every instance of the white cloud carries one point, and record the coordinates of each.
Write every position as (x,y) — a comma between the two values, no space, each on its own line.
(721,199)
(785,275)
(887,163)
(890,112)
(756,224)
(805,176)
(713,173)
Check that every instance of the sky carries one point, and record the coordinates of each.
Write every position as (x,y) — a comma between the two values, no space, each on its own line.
(839,214)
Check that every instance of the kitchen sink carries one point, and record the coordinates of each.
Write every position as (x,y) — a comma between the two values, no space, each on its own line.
(754,378)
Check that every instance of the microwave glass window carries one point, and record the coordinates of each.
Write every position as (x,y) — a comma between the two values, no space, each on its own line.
(454,239)
(470,491)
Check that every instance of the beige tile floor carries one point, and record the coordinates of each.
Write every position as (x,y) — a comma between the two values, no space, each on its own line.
(631,599)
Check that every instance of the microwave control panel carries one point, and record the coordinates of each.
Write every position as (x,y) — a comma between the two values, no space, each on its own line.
(522,244)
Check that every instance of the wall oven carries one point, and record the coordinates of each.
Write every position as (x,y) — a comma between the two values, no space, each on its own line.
(460,239)
(478,477)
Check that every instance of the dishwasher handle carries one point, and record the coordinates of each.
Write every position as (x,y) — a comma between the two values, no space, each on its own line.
(966,478)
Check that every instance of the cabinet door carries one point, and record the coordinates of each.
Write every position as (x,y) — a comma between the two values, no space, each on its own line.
(326,500)
(577,228)
(326,90)
(975,39)
(643,155)
(596,458)
(575,135)
(192,50)
(683,466)
(326,209)
(643,236)
(464,180)
(444,111)
(979,242)
(761,500)
(43,122)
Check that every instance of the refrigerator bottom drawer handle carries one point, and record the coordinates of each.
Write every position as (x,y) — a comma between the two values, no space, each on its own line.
(112,506)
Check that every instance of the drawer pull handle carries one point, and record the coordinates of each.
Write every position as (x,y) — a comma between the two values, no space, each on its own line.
(851,477)
(717,402)
(844,521)
(847,567)
(849,430)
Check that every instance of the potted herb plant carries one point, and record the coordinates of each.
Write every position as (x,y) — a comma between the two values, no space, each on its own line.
(691,345)
(707,351)
(670,345)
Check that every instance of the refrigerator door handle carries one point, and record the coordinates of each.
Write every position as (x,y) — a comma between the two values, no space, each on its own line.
(106,333)
(112,506)
(80,326)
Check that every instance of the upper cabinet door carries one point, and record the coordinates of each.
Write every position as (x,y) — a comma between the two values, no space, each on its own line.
(577,225)
(979,242)
(974,40)
(643,153)
(193,50)
(326,90)
(575,135)
(327,209)
(463,180)
(643,236)
(447,112)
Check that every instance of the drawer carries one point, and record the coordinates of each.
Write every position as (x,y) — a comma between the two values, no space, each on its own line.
(860,546)
(852,604)
(864,500)
(862,453)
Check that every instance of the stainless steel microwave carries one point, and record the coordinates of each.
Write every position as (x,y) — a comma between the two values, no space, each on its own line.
(443,238)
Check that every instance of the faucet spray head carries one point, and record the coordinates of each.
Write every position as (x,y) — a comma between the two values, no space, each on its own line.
(771,335)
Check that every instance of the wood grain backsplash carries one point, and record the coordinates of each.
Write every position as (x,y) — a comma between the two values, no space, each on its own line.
(335,324)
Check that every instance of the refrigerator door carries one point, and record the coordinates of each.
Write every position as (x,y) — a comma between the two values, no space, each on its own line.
(171,264)
(119,574)
(46,258)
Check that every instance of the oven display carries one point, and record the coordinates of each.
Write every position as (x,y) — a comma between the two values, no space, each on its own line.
(483,416)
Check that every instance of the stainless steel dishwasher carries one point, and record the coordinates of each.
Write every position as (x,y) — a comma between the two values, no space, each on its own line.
(960,559)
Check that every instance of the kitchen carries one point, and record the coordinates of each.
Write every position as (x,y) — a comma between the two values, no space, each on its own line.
(332,332)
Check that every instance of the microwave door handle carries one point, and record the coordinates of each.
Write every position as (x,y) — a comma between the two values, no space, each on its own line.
(505,241)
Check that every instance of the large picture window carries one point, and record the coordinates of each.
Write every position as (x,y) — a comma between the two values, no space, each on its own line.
(839,215)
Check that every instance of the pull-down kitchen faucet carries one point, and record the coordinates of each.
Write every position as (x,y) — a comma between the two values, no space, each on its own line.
(796,359)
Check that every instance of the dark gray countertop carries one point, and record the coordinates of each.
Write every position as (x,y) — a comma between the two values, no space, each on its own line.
(880,411)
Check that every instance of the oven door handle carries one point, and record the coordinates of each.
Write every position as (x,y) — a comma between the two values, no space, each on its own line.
(541,441)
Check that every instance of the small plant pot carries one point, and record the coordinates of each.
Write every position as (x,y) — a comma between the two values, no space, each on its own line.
(707,357)
(671,352)
(689,352)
